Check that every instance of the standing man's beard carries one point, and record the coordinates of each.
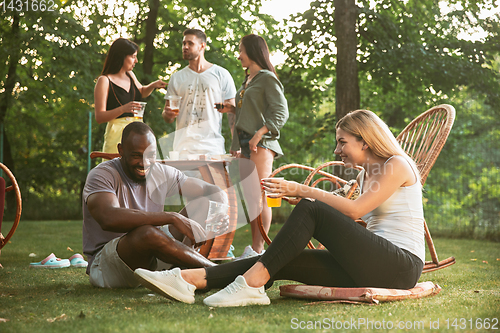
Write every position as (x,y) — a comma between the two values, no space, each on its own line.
(189,56)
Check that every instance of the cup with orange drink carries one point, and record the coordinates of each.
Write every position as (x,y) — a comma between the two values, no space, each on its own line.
(271,198)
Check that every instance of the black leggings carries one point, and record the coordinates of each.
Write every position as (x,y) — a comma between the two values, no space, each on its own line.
(356,257)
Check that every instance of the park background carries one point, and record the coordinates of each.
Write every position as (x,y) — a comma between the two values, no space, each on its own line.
(396,58)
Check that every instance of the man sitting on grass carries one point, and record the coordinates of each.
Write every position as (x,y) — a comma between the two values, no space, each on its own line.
(125,226)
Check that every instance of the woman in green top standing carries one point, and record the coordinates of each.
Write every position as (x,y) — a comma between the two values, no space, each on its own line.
(261,111)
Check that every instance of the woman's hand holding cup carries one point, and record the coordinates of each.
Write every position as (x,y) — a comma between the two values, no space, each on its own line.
(131,107)
(278,187)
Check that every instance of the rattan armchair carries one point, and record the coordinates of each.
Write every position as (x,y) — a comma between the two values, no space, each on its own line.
(423,140)
(13,187)
(107,156)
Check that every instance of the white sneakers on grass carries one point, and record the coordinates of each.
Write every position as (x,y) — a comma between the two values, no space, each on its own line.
(167,283)
(171,285)
(249,252)
(238,293)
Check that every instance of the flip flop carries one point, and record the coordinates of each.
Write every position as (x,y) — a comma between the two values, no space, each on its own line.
(77,260)
(51,262)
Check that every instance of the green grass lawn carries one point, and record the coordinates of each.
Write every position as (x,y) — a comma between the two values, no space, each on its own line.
(30,299)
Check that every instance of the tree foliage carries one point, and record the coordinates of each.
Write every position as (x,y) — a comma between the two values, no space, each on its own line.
(45,111)
(52,59)
(411,55)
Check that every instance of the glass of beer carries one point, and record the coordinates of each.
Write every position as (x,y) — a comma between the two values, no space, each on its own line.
(140,113)
(219,101)
(174,103)
(216,213)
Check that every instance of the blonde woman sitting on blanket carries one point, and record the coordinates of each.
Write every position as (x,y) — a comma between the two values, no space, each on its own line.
(389,253)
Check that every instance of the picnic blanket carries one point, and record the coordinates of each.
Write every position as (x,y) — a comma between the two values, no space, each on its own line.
(356,295)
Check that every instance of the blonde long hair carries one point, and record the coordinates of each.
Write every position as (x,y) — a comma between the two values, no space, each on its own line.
(367,126)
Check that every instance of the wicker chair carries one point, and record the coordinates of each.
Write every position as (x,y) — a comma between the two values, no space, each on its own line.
(14,187)
(99,154)
(423,140)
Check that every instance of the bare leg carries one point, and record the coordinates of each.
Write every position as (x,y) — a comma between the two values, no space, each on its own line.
(197,277)
(257,276)
(263,160)
(142,246)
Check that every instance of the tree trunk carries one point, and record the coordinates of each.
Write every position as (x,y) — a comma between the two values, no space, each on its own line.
(347,87)
(10,82)
(151,31)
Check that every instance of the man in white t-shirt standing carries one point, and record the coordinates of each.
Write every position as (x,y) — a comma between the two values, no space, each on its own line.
(201,85)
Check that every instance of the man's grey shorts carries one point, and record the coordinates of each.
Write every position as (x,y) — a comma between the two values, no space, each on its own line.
(109,271)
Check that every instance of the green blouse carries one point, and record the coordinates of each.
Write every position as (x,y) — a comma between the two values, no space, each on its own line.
(261,103)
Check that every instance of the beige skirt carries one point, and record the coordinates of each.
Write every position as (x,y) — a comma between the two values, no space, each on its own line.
(113,134)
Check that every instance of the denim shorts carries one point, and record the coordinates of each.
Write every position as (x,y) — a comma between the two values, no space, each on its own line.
(245,138)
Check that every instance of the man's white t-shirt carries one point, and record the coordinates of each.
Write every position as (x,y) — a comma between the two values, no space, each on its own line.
(199,124)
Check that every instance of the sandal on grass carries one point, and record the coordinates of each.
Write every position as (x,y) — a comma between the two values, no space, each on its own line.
(77,260)
(51,262)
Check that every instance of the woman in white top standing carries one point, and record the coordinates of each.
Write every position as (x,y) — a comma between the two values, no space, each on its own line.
(389,253)
(117,92)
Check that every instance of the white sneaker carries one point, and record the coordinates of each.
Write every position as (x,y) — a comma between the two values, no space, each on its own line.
(249,252)
(238,293)
(167,283)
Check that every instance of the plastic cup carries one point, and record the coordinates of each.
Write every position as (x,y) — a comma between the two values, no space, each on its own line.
(174,155)
(175,103)
(215,208)
(219,101)
(140,113)
(271,200)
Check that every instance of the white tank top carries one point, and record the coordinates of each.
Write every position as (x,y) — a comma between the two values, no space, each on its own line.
(400,219)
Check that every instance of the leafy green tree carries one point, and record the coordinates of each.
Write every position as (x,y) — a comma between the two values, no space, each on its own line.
(405,66)
(43,107)
(461,192)
(410,56)
(408,52)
